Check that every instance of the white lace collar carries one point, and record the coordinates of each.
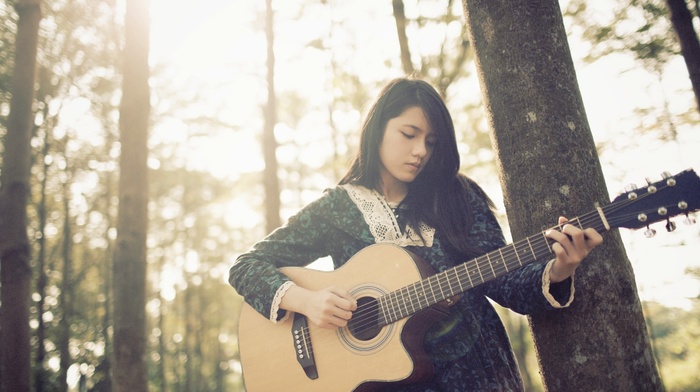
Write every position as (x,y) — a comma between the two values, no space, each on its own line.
(381,219)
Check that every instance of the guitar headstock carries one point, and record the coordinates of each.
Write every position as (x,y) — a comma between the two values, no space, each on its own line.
(659,201)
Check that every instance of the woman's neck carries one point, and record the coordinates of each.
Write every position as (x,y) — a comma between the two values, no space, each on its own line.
(393,194)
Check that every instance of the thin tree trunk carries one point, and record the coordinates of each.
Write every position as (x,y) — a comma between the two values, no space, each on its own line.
(400,19)
(106,364)
(549,167)
(682,21)
(272,186)
(162,349)
(66,299)
(129,265)
(15,270)
(40,376)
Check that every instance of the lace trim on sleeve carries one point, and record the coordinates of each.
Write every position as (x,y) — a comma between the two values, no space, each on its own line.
(545,288)
(381,220)
(274,312)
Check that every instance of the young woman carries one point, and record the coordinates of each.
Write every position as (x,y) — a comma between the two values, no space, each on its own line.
(404,188)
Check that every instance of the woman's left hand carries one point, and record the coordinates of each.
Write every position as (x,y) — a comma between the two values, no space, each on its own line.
(571,247)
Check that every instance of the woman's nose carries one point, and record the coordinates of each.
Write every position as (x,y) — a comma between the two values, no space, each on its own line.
(420,149)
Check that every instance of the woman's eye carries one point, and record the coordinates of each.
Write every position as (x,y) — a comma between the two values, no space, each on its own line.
(407,135)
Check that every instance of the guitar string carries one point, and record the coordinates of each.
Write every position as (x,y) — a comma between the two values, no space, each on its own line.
(451,274)
(370,322)
(583,221)
(366,316)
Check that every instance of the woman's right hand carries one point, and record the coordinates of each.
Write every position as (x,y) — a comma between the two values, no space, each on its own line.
(328,308)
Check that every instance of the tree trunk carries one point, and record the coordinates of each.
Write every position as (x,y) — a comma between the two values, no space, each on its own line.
(682,21)
(14,194)
(549,167)
(130,373)
(66,299)
(271,180)
(40,374)
(400,18)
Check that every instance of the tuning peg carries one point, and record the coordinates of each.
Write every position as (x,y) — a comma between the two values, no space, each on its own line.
(649,232)
(689,220)
(670,181)
(631,187)
(670,226)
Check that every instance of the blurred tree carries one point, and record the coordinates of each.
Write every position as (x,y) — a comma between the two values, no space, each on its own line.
(400,18)
(446,64)
(15,268)
(682,20)
(644,30)
(549,167)
(269,143)
(129,270)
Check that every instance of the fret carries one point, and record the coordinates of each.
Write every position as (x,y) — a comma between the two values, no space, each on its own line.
(516,255)
(431,290)
(479,269)
(381,300)
(439,295)
(392,306)
(488,259)
(422,287)
(534,256)
(450,291)
(405,299)
(410,290)
(466,269)
(502,259)
(459,281)
(546,241)
(449,282)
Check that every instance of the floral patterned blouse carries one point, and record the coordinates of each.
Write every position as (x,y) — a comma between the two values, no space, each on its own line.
(469,349)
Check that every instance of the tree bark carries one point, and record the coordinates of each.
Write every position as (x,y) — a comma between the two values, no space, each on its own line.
(14,194)
(400,18)
(682,21)
(548,167)
(129,268)
(271,179)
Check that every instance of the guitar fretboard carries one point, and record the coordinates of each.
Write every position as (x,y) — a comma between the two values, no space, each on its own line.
(418,296)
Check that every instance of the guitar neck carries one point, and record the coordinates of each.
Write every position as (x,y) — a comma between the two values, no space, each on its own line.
(422,294)
(637,208)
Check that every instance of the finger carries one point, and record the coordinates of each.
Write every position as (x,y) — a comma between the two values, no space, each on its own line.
(576,236)
(559,250)
(593,238)
(344,300)
(560,239)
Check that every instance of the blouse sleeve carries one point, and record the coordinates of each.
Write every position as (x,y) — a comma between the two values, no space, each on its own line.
(302,240)
(526,290)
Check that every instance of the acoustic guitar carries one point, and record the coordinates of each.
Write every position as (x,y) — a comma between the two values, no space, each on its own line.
(399,297)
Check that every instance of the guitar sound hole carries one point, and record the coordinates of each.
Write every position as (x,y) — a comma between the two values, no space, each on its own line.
(364,324)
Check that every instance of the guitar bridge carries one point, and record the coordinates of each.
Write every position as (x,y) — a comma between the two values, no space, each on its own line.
(302,346)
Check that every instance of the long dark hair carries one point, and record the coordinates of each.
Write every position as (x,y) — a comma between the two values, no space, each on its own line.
(439,196)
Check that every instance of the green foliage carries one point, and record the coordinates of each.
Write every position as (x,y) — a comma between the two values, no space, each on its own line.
(639,27)
(676,335)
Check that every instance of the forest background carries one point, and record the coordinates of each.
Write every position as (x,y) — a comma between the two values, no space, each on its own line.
(210,96)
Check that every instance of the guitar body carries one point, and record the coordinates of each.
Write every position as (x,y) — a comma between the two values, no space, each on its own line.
(343,361)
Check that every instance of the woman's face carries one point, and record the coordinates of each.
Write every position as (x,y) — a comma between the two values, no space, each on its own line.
(406,147)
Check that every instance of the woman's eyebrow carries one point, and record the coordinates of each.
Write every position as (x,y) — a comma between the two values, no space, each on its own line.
(417,128)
